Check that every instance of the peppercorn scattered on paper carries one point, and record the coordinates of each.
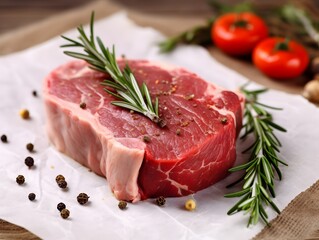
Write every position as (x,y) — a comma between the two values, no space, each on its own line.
(101,218)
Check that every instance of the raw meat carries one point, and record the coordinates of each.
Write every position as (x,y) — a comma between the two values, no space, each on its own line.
(192,152)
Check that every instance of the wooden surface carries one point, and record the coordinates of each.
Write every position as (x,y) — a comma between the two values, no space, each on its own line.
(169,16)
(20,13)
(16,13)
(10,231)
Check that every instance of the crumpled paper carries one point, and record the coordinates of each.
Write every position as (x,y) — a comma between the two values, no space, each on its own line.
(23,72)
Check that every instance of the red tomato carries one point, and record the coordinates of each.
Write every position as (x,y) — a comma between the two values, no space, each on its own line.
(238,33)
(280,59)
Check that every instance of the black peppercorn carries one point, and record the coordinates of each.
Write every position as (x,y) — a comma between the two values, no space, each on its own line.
(83,105)
(223,121)
(62,184)
(146,139)
(65,213)
(30,147)
(31,196)
(122,205)
(29,161)
(178,132)
(20,179)
(59,178)
(160,201)
(82,198)
(34,93)
(4,138)
(161,123)
(61,206)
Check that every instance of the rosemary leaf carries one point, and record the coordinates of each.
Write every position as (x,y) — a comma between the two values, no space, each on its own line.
(126,105)
(147,96)
(156,106)
(114,94)
(237,194)
(123,82)
(112,85)
(262,166)
(241,167)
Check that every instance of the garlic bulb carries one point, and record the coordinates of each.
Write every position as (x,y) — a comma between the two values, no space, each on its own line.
(311,91)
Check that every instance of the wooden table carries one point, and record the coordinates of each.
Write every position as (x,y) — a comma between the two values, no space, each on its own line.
(17,14)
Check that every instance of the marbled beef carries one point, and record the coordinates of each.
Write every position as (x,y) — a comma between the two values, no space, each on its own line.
(192,152)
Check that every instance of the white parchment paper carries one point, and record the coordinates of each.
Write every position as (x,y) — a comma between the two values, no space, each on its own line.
(23,72)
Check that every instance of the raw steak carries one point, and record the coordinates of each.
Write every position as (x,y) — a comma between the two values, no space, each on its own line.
(192,152)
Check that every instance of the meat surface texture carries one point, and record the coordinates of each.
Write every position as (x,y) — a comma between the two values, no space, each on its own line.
(194,150)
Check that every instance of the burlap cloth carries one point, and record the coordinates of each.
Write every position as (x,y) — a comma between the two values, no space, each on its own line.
(299,220)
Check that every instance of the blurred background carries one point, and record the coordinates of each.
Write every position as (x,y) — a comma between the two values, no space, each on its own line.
(19,13)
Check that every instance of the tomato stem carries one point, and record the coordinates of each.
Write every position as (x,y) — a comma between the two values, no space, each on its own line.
(240,23)
(282,45)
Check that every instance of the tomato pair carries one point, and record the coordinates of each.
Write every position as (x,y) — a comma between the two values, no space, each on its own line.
(240,34)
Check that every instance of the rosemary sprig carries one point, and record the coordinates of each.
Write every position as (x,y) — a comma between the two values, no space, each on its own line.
(294,15)
(197,35)
(263,164)
(124,85)
(201,35)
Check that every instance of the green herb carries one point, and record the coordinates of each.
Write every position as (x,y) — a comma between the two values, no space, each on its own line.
(263,164)
(124,84)
(197,35)
(295,15)
(222,8)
